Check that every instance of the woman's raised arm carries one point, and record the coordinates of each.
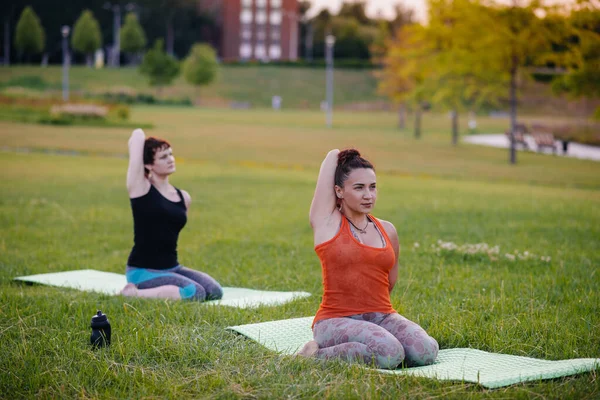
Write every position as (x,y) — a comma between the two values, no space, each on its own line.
(324,200)
(137,184)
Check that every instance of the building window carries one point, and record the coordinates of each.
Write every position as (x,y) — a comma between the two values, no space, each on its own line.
(246,32)
(261,3)
(275,18)
(275,3)
(261,34)
(246,17)
(246,3)
(259,51)
(275,52)
(245,51)
(261,17)
(275,35)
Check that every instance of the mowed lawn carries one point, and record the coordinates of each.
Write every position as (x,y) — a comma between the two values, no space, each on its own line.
(298,87)
(251,175)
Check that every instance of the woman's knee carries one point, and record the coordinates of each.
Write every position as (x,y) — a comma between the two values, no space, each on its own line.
(214,292)
(388,355)
(192,292)
(423,352)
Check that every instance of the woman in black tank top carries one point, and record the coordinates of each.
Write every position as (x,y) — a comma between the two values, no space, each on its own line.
(159,213)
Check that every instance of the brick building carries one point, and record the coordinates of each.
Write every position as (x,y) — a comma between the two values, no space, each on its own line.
(254,29)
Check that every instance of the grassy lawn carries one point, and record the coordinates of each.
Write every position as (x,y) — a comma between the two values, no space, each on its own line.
(252,175)
(299,139)
(299,87)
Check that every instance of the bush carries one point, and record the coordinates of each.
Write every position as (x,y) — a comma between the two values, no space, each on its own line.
(160,67)
(588,133)
(30,37)
(55,119)
(27,81)
(122,112)
(141,98)
(200,66)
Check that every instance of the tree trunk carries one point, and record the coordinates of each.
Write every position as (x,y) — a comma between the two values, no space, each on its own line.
(402,116)
(6,41)
(170,35)
(418,122)
(88,60)
(454,127)
(513,109)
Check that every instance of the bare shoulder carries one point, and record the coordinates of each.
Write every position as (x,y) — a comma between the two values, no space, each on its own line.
(186,198)
(388,226)
(390,229)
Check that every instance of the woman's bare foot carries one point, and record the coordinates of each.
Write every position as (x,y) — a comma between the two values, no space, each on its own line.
(309,349)
(129,290)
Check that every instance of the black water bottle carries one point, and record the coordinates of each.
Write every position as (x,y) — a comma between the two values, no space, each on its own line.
(100,330)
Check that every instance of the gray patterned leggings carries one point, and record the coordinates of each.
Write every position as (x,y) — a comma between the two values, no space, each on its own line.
(386,339)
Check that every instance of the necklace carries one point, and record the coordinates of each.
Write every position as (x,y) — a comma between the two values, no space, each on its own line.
(363,230)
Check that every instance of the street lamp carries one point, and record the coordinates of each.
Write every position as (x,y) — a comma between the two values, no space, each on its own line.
(66,61)
(329,43)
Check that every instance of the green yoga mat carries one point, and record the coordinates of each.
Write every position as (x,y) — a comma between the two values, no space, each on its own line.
(111,283)
(467,365)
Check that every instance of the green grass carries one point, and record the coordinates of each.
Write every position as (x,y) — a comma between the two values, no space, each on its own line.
(252,175)
(299,87)
(299,139)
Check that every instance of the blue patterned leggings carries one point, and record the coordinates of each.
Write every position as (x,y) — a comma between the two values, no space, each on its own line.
(386,339)
(193,285)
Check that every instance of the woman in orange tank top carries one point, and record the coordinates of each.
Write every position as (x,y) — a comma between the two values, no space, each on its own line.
(359,261)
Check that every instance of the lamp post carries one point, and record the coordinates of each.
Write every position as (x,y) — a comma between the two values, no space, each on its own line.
(66,61)
(329,43)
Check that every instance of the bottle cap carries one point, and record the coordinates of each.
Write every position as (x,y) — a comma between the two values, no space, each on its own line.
(99,317)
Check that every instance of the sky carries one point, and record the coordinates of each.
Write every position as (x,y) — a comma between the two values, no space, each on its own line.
(386,7)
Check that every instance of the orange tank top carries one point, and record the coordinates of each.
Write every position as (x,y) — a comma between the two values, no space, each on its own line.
(355,276)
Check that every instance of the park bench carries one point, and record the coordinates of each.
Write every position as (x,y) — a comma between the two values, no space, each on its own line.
(543,138)
(519,135)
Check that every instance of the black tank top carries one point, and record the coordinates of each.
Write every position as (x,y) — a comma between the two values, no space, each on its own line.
(157,222)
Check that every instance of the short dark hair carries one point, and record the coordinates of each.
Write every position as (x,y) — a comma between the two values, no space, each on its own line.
(349,160)
(151,146)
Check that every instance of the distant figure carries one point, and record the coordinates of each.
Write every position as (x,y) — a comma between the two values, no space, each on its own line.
(276,102)
(159,213)
(99,59)
(359,260)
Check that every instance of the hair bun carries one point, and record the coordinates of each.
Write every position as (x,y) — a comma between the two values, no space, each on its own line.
(347,155)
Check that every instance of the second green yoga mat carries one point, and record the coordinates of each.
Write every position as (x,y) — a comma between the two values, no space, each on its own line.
(467,365)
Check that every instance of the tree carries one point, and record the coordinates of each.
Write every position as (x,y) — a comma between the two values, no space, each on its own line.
(355,10)
(87,37)
(7,10)
(386,33)
(407,66)
(461,77)
(517,39)
(200,66)
(160,67)
(171,12)
(30,36)
(133,38)
(583,77)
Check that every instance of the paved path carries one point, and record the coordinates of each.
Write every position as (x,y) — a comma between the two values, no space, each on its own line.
(575,150)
